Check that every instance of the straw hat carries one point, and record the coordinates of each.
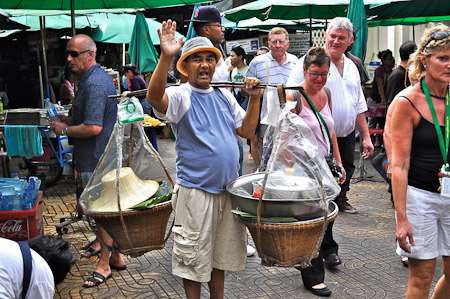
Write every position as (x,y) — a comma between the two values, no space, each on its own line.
(133,190)
(194,45)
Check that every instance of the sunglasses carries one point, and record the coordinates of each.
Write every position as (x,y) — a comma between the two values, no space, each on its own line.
(438,35)
(75,54)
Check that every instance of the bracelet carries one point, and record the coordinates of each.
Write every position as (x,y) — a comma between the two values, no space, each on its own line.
(64,131)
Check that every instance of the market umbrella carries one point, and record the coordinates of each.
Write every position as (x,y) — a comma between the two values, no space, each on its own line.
(357,15)
(70,6)
(412,8)
(6,23)
(266,25)
(411,21)
(142,52)
(118,28)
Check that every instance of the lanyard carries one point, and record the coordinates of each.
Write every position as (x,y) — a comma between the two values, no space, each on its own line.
(443,147)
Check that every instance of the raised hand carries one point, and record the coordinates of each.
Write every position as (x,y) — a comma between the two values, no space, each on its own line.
(169,46)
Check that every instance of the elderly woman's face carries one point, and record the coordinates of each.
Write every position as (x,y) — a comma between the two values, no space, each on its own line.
(438,65)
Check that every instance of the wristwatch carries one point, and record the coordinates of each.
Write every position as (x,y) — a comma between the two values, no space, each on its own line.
(64,131)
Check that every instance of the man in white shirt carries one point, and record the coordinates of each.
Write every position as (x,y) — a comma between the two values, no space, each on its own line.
(272,68)
(349,107)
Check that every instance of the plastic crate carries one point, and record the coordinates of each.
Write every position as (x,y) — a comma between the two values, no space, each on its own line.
(22,225)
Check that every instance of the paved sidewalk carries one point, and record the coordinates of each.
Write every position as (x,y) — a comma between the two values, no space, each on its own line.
(370,267)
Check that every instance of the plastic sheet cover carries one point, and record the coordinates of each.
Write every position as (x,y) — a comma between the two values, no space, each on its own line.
(130,171)
(293,163)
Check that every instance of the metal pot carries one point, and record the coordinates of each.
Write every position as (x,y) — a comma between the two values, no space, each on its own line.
(301,208)
(280,186)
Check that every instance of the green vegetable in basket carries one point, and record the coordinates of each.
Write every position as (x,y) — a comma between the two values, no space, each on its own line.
(266,219)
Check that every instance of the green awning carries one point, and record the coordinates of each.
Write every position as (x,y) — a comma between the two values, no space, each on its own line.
(106,27)
(408,21)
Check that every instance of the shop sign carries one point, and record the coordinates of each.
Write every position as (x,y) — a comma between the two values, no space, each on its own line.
(249,45)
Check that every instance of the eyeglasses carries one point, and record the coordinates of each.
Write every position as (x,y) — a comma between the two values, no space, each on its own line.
(214,25)
(316,75)
(438,35)
(75,54)
(274,42)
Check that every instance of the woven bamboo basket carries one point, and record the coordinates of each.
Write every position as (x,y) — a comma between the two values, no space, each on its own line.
(287,244)
(141,230)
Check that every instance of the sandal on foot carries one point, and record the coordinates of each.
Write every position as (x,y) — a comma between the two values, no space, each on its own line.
(117,267)
(87,245)
(97,279)
(91,251)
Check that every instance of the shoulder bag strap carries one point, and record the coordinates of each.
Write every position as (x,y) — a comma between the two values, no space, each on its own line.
(27,266)
(267,69)
(318,115)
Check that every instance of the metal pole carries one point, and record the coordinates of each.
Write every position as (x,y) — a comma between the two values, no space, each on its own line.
(72,16)
(44,56)
(310,26)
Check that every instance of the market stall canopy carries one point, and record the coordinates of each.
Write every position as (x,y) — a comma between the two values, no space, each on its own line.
(118,28)
(255,24)
(62,5)
(6,23)
(107,27)
(412,8)
(408,21)
(294,9)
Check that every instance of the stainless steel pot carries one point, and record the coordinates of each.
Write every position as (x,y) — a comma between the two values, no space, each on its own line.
(241,190)
(280,186)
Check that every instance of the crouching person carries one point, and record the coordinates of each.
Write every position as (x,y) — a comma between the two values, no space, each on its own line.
(208,240)
(32,269)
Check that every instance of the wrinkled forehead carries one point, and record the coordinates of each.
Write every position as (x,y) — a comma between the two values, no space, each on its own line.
(202,54)
(336,32)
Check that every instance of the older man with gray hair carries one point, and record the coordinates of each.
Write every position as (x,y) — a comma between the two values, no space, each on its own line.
(349,107)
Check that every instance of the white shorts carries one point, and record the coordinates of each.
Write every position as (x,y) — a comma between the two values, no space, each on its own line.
(206,235)
(429,216)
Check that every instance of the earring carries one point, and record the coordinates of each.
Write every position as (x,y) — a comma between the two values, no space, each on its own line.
(425,66)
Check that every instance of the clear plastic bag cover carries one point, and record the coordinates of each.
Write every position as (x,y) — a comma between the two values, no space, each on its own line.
(293,164)
(141,170)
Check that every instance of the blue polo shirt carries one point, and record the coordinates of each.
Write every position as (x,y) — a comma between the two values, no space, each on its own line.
(93,107)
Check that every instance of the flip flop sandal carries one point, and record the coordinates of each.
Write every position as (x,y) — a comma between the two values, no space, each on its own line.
(117,268)
(87,245)
(91,251)
(97,279)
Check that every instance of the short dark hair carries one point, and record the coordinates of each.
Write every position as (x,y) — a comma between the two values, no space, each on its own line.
(132,68)
(56,252)
(317,56)
(239,52)
(406,49)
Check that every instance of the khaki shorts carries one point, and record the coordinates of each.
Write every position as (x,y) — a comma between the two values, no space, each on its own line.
(206,235)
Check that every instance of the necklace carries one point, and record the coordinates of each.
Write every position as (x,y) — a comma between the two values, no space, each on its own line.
(432,95)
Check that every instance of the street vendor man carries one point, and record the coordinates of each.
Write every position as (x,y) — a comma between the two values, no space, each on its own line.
(94,116)
(208,240)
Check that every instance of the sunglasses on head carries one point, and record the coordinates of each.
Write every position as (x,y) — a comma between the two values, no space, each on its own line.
(75,54)
(438,35)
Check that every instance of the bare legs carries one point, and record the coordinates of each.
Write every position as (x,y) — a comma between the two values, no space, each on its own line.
(216,286)
(442,289)
(106,257)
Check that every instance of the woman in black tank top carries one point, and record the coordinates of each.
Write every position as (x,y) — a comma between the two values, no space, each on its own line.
(420,129)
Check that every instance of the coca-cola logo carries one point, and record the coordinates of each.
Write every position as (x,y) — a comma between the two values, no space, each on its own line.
(11,226)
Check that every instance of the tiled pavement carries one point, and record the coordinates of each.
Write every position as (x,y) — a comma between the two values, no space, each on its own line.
(370,267)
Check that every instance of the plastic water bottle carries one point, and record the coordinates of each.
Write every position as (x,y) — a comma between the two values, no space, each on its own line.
(16,202)
(15,175)
(51,111)
(26,201)
(4,205)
